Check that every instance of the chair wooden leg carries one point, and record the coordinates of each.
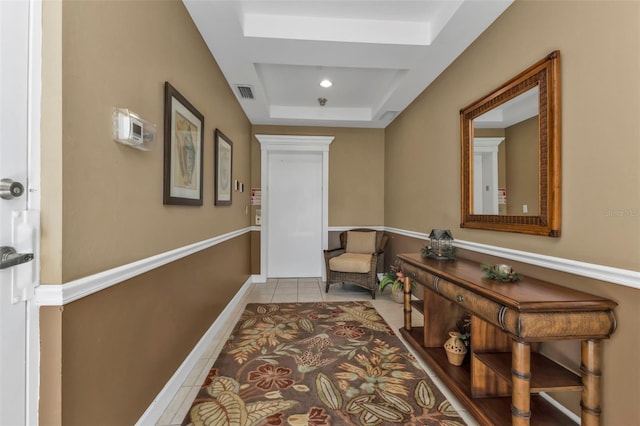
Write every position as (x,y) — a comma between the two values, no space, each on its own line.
(373,294)
(326,290)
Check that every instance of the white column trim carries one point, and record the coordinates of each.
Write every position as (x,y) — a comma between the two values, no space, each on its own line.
(290,143)
(481,144)
(61,294)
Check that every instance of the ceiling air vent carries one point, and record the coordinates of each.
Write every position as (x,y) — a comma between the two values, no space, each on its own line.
(245,91)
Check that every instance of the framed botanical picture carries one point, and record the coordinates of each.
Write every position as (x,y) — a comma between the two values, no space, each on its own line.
(223,160)
(183,149)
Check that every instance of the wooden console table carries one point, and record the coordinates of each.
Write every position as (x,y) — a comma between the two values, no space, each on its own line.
(500,381)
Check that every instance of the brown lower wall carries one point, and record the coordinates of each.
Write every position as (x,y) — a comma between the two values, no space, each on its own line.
(50,408)
(398,244)
(255,252)
(120,346)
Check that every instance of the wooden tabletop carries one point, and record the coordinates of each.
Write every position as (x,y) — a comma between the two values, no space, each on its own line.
(526,295)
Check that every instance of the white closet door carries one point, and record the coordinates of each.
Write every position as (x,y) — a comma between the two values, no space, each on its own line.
(295,214)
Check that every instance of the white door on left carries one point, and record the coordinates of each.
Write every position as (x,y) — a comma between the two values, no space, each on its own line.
(18,224)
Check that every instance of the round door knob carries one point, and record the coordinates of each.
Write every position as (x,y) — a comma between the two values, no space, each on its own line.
(10,189)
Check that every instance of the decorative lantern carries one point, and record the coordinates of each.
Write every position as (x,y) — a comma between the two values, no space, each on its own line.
(440,245)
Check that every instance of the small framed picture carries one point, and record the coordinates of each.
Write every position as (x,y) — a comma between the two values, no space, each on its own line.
(223,161)
(183,130)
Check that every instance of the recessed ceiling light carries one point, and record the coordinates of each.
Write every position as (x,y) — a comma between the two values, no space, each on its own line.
(326,83)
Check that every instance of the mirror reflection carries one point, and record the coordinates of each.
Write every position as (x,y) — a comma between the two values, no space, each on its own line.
(505,158)
(510,154)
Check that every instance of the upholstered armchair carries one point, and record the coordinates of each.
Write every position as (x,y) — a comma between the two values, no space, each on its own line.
(356,261)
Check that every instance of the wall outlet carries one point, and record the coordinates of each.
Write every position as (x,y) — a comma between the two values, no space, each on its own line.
(525,208)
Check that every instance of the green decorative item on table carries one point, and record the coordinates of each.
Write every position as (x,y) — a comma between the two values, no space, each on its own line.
(500,272)
(440,245)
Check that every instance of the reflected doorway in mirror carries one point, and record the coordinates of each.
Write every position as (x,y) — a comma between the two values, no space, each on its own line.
(525,112)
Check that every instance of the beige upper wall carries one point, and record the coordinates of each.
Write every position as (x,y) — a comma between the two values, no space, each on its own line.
(102,207)
(121,189)
(111,200)
(600,54)
(356,171)
(522,161)
(51,143)
(599,44)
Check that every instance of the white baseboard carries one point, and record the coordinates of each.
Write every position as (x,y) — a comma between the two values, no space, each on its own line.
(573,416)
(166,395)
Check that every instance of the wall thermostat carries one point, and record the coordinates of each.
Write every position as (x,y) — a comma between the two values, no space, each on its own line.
(131,129)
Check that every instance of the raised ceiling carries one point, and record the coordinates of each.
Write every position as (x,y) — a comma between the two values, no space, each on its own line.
(380,55)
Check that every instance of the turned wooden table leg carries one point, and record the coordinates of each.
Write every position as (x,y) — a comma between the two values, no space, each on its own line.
(521,380)
(407,303)
(591,377)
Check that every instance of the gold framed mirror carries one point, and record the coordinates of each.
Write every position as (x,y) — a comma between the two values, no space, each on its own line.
(510,142)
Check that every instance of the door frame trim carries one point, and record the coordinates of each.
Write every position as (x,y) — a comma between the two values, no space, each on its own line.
(291,143)
(34,117)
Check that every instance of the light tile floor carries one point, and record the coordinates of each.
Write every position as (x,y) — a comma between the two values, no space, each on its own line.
(293,290)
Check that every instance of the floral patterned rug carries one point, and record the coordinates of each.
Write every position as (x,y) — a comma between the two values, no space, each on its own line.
(317,364)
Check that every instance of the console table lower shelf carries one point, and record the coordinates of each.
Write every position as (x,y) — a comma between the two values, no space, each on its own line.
(508,322)
(490,410)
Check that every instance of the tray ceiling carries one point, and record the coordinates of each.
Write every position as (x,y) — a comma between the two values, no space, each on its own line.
(379,55)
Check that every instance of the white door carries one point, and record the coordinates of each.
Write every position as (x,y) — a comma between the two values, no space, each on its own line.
(295,214)
(485,175)
(18,225)
(485,178)
(478,184)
